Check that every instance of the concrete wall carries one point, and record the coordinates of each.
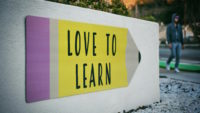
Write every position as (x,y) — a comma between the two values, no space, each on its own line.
(142,90)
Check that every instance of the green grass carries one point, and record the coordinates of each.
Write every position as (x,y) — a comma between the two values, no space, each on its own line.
(182,66)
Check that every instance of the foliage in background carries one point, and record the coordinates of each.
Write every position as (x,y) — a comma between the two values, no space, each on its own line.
(149,18)
(161,11)
(117,7)
(192,16)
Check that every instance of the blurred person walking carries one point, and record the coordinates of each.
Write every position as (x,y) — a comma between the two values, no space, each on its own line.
(175,41)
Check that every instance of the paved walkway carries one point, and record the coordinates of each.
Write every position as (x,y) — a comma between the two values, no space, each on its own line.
(195,62)
(185,65)
(183,75)
(186,54)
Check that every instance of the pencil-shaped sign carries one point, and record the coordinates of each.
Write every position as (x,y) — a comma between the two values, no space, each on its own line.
(65,58)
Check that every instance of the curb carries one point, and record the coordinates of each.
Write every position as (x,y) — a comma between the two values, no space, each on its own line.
(182,66)
(185,45)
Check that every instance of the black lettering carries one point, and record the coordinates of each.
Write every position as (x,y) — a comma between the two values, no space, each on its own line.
(78,36)
(86,42)
(69,52)
(108,74)
(114,45)
(77,86)
(92,79)
(94,46)
(100,74)
(84,77)
(107,43)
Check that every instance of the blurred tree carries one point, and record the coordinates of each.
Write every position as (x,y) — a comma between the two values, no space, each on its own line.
(149,18)
(117,6)
(192,16)
(160,10)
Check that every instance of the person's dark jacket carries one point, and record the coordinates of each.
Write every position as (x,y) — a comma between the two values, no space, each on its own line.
(171,32)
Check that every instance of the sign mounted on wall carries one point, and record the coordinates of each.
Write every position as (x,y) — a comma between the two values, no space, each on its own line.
(65,58)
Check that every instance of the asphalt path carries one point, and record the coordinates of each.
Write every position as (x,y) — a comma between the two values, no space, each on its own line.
(189,56)
(183,75)
(186,54)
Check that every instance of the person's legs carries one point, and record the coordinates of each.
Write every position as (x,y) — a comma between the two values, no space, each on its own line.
(172,55)
(178,54)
